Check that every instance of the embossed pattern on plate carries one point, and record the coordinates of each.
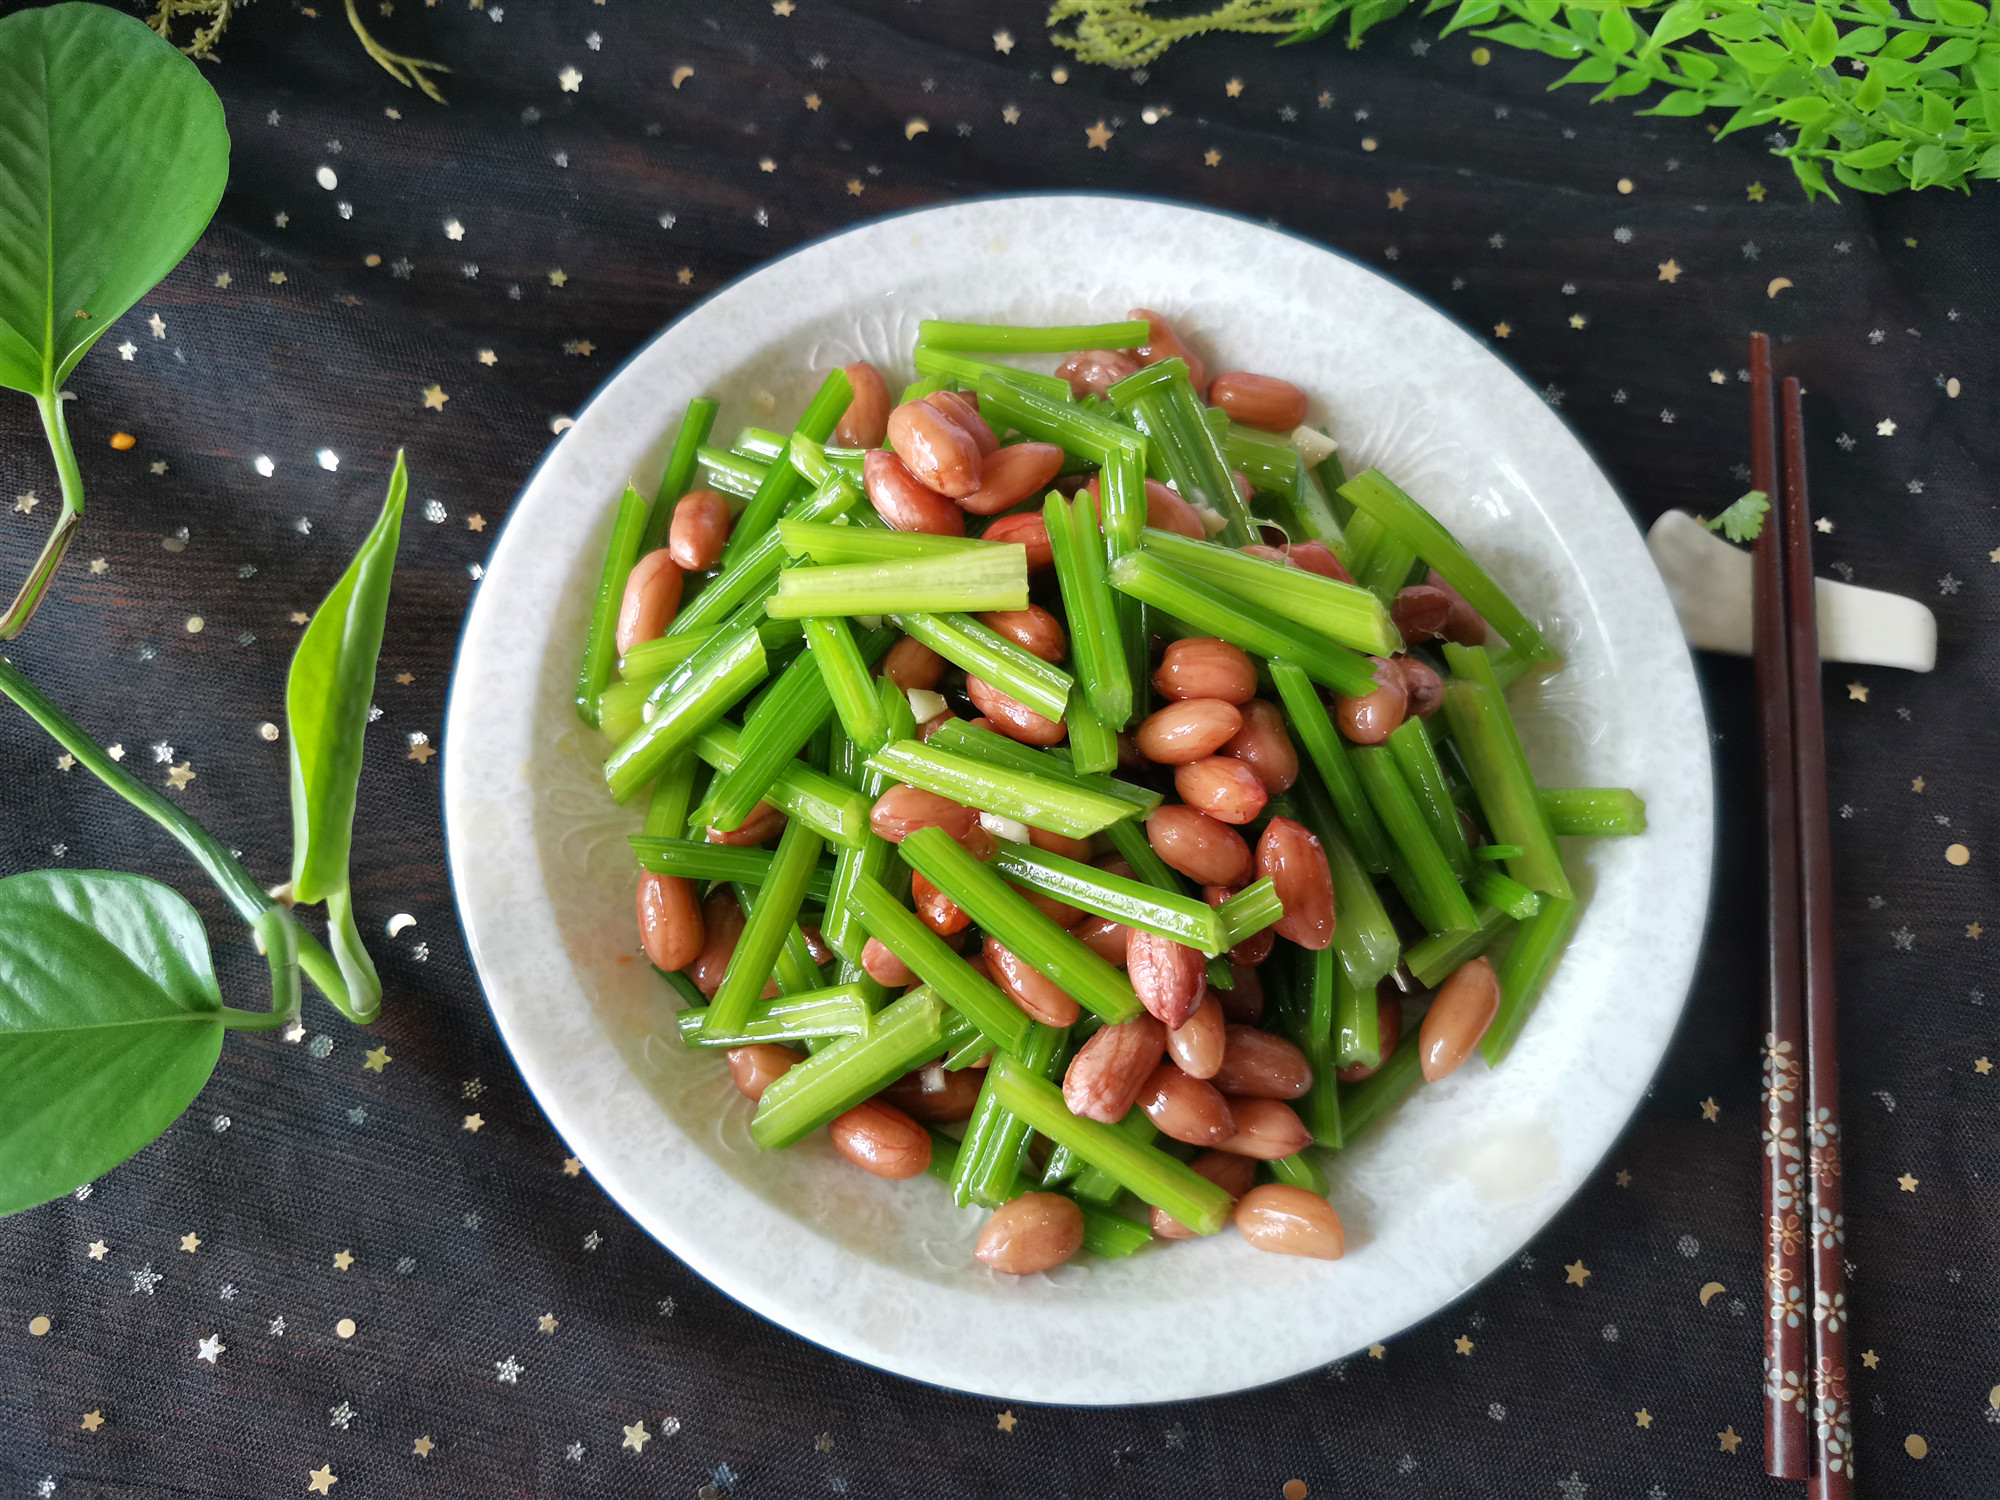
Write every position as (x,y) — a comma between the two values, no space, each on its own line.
(1447,1188)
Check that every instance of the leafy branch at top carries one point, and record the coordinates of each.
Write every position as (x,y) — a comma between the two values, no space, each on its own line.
(212,18)
(1881,97)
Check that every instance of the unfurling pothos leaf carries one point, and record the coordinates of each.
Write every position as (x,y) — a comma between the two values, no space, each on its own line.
(113,156)
(326,705)
(110,1023)
(1743,521)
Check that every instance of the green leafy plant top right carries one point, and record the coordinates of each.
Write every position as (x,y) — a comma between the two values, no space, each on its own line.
(1879,96)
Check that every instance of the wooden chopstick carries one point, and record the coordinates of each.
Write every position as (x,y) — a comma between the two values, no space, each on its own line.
(1833,1451)
(1787,1282)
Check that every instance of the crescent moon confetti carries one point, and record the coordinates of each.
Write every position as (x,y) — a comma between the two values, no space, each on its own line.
(1713,1290)
(1778,284)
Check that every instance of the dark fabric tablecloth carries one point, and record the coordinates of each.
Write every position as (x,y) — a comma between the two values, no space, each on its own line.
(599,169)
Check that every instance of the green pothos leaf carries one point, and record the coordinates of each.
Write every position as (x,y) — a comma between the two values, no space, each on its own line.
(110,1023)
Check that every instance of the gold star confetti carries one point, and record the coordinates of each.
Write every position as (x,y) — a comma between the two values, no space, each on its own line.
(159,324)
(1886,427)
(404,679)
(1755,192)
(1973,930)
(1956,854)
(1011,114)
(915,127)
(65,762)
(278,278)
(488,357)
(1100,136)
(813,102)
(1982,1066)
(322,1480)
(781,7)
(1716,377)
(92,1420)
(1397,198)
(453,230)
(434,397)
(1463,1344)
(116,752)
(179,776)
(1994,555)
(1006,1421)
(39,1324)
(1643,1417)
(475,522)
(300,617)
(421,752)
(1710,1109)
(1003,41)
(1576,1274)
(26,504)
(98,1249)
(854,187)
(158,466)
(571,1166)
(767,164)
(378,1059)
(190,1242)
(1378,1351)
(579,346)
(1577,320)
(1728,1439)
(1857,692)
(343,1259)
(684,275)
(1917,784)
(422,1446)
(570,79)
(224,279)
(1233,88)
(1907,1183)
(1824,523)
(1914,1444)
(1503,330)
(546,1322)
(636,1436)
(1870,1359)
(558,277)
(1212,157)
(1670,270)
(473,1122)
(681,75)
(99,565)
(126,350)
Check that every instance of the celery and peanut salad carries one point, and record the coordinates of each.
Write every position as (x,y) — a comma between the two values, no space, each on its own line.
(1061,784)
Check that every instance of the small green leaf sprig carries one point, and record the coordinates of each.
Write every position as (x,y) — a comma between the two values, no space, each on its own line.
(1743,519)
(1881,97)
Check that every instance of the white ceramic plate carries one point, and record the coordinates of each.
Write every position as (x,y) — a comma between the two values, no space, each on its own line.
(1440,1194)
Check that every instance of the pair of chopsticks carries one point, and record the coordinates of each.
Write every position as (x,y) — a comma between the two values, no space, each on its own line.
(1808,1432)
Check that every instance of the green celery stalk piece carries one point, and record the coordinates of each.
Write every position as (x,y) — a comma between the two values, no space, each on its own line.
(730,473)
(1589,811)
(836,1011)
(1533,953)
(944,1155)
(961,738)
(1416,757)
(1009,338)
(1491,749)
(673,793)
(694,859)
(678,476)
(1095,1186)
(1092,608)
(1323,746)
(1111,1235)
(824,542)
(628,529)
(1434,959)
(688,702)
(1005,1135)
(1301,1171)
(1364,936)
(871,855)
(1357,1022)
(830,643)
(837,813)
(980,652)
(1004,913)
(1493,888)
(1050,418)
(988,578)
(1249,911)
(769,923)
(833,1081)
(783,484)
(1154,1176)
(1311,1025)
(962,369)
(1440,902)
(1342,612)
(1147,576)
(751,576)
(1093,744)
(1133,902)
(961,986)
(1363,1103)
(1057,805)
(1372,494)
(1129,839)
(649,661)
